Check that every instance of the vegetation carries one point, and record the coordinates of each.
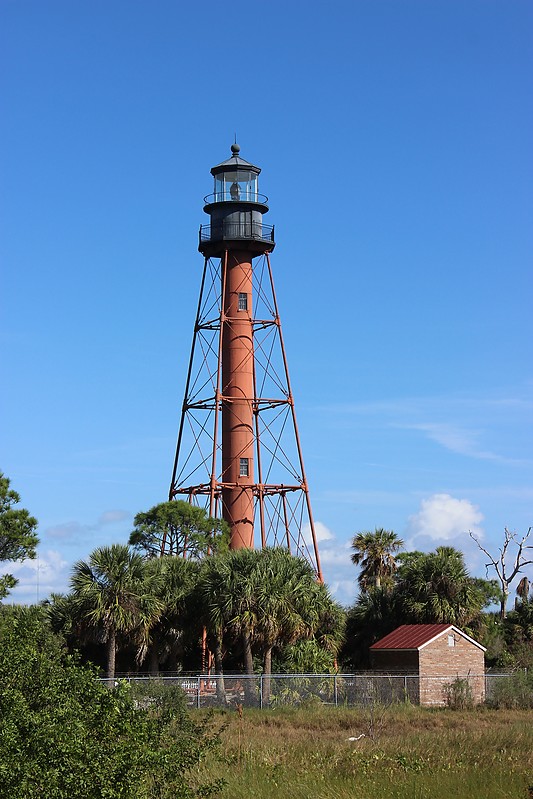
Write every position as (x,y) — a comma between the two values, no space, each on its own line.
(113,594)
(251,606)
(175,626)
(515,691)
(262,610)
(253,611)
(426,588)
(436,587)
(518,630)
(18,538)
(178,528)
(374,552)
(64,735)
(264,601)
(400,752)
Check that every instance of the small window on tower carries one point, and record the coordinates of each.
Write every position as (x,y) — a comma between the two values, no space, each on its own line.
(451,640)
(244,469)
(243,301)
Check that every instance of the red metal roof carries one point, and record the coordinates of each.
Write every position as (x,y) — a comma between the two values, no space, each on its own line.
(411,636)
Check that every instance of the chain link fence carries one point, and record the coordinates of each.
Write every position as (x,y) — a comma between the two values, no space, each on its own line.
(359,689)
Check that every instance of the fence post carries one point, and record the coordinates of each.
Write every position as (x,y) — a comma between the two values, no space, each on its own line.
(335,689)
(261,692)
(198,691)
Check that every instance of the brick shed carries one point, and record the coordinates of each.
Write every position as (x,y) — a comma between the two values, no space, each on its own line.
(437,654)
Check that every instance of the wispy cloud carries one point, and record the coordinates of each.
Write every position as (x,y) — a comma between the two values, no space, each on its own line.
(49,572)
(475,403)
(463,424)
(113,516)
(76,531)
(456,439)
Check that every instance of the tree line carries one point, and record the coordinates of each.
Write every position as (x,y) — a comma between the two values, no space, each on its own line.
(207,607)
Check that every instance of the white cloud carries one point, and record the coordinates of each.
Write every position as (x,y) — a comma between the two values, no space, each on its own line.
(322,533)
(67,531)
(442,517)
(335,554)
(469,425)
(343,591)
(39,577)
(337,567)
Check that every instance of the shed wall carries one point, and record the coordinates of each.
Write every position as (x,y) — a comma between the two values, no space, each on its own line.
(441,664)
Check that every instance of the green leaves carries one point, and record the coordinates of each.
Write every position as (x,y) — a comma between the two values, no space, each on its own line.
(113,594)
(64,736)
(18,539)
(437,588)
(178,528)
(375,553)
(268,598)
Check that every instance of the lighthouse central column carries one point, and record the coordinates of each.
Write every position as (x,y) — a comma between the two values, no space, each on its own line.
(237,397)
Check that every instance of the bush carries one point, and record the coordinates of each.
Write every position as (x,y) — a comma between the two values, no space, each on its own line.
(458,694)
(65,735)
(513,692)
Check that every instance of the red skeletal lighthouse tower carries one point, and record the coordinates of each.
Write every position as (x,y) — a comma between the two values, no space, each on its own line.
(238,452)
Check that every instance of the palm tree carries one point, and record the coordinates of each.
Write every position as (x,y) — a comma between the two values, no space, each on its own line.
(374,552)
(112,596)
(266,599)
(374,615)
(285,608)
(522,589)
(282,603)
(172,580)
(437,588)
(214,603)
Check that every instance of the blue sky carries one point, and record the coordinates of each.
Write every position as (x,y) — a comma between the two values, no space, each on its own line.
(395,139)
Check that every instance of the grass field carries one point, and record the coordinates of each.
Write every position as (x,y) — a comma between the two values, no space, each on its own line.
(406,751)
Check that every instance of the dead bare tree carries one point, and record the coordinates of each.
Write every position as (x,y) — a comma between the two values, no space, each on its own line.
(505,572)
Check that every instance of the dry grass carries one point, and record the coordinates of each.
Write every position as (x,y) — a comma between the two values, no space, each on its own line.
(405,752)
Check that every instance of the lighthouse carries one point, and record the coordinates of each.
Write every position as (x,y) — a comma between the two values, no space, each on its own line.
(238,453)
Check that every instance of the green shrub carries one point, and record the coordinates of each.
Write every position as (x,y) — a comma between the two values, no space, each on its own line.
(66,736)
(515,691)
(458,694)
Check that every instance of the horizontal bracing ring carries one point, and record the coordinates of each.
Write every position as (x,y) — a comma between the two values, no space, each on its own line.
(258,488)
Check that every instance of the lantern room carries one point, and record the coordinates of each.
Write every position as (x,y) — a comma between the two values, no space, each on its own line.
(236,209)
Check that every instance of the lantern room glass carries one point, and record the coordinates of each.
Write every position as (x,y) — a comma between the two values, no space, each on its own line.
(236,186)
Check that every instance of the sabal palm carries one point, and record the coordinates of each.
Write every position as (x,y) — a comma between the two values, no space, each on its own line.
(374,552)
(111,595)
(223,598)
(436,588)
(226,592)
(283,593)
(374,615)
(171,580)
(266,598)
